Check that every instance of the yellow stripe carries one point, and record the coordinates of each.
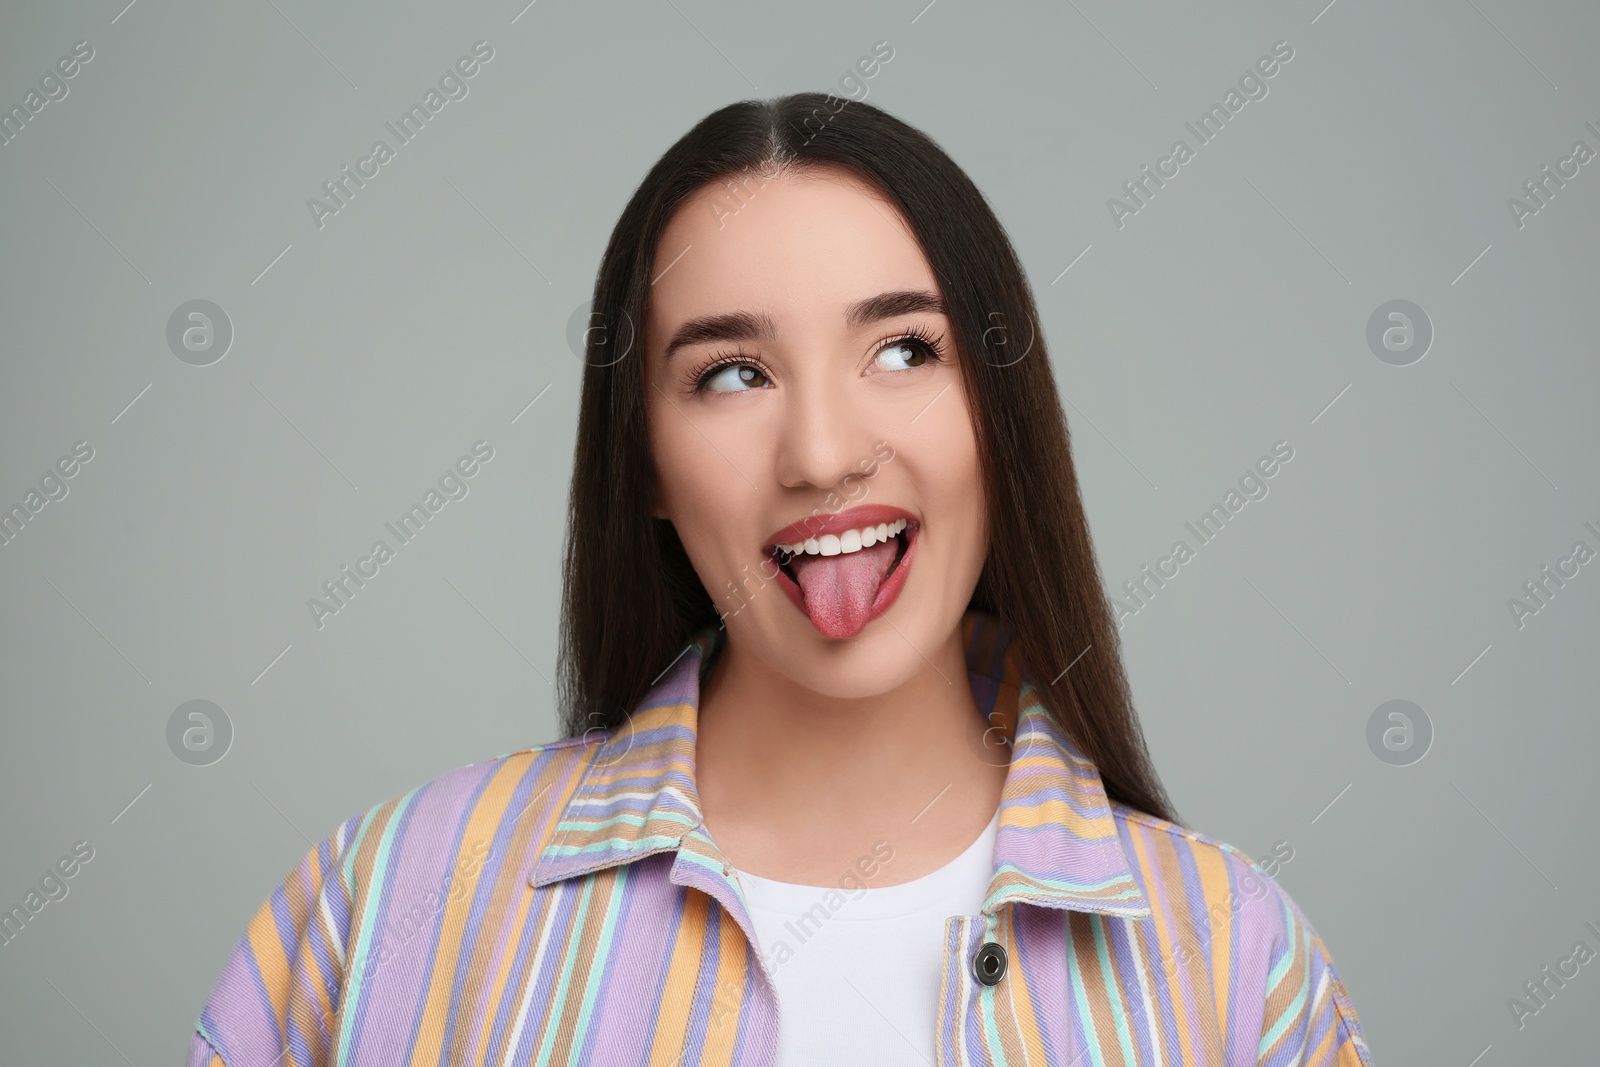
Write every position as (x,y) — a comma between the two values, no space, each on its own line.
(1165,957)
(529,839)
(1058,812)
(677,999)
(1020,999)
(267,949)
(1215,890)
(1190,1000)
(498,987)
(465,869)
(732,975)
(1320,1053)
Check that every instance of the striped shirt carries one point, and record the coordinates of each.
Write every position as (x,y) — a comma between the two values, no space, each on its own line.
(564,904)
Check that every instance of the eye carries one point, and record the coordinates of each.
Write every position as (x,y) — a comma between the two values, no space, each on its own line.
(914,350)
(732,378)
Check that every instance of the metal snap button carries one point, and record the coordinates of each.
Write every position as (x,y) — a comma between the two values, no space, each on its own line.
(989,964)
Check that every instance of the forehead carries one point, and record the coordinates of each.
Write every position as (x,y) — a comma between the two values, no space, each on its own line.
(800,245)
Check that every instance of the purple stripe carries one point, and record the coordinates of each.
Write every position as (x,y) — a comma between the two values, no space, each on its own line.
(1145,934)
(282,922)
(323,955)
(549,973)
(949,1011)
(648,929)
(505,1015)
(419,859)
(456,840)
(1037,935)
(705,990)
(365,989)
(621,888)
(493,933)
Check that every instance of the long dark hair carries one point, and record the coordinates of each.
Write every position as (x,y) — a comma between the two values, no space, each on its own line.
(631,598)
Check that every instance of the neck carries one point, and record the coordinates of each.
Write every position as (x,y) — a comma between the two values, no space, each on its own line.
(794,783)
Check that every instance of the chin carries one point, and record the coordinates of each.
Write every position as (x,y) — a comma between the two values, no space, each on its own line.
(873,667)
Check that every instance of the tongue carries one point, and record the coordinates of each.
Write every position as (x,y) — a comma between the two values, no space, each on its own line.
(839,590)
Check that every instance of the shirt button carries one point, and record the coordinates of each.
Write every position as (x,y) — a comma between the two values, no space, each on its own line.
(989,965)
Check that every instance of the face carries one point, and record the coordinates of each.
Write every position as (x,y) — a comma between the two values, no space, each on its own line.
(812,437)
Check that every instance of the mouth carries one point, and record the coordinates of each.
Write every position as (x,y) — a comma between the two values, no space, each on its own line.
(841,571)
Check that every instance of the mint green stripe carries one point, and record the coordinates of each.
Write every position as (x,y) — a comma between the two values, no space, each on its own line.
(704,862)
(602,952)
(1292,1012)
(1108,974)
(355,846)
(380,869)
(612,844)
(1091,1038)
(558,998)
(625,819)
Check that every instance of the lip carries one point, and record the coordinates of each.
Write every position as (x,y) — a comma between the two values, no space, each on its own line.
(855,518)
(838,522)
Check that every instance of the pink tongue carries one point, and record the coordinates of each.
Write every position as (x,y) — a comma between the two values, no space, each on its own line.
(839,590)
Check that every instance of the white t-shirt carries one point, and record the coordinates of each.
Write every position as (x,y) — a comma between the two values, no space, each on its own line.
(887,942)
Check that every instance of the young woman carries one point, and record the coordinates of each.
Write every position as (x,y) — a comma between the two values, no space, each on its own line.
(852,773)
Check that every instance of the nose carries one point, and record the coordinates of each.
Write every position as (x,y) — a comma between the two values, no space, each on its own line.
(825,435)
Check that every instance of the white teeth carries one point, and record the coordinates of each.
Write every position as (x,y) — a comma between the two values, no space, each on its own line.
(847,542)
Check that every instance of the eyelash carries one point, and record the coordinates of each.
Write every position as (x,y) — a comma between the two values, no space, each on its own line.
(931,344)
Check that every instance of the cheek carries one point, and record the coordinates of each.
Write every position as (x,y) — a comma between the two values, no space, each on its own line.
(943,458)
(952,444)
(699,490)
(687,473)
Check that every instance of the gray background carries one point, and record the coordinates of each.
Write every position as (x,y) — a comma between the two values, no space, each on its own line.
(369,354)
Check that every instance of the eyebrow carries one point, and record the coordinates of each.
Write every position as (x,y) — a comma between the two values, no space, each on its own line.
(758,326)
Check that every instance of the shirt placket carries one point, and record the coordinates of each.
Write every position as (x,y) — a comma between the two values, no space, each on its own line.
(964,1001)
(701,865)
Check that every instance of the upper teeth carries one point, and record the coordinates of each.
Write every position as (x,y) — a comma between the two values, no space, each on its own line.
(847,542)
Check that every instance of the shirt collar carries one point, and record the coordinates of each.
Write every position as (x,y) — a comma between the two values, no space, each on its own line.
(1057,845)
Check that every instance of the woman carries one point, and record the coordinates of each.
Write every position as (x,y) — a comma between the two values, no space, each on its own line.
(849,742)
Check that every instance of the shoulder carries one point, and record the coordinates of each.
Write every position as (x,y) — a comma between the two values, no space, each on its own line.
(1227,916)
(513,798)
(377,882)
(1159,849)
(540,766)
(496,811)
(1208,885)
(1202,886)
(491,814)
